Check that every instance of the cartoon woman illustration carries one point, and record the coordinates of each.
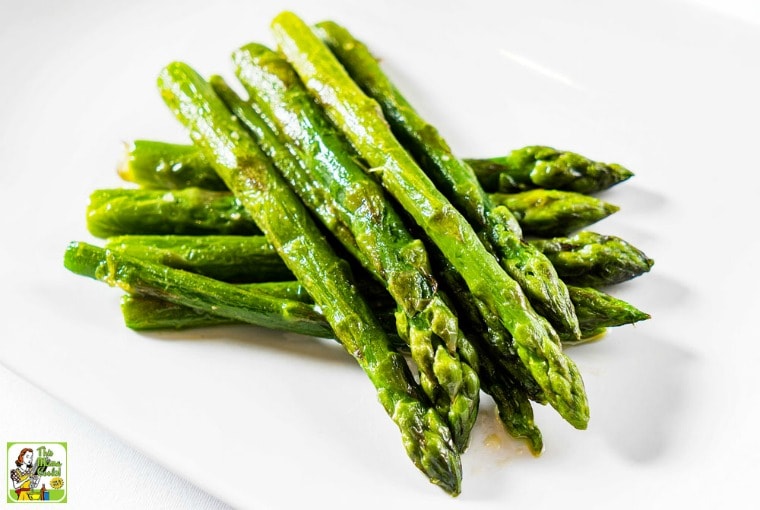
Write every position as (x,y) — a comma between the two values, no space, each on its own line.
(24,478)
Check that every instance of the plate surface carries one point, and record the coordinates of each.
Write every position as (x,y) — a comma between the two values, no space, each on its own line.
(266,420)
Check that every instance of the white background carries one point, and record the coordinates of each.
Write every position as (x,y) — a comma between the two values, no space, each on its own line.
(108,472)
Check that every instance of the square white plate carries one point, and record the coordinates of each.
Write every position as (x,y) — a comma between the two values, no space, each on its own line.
(265,420)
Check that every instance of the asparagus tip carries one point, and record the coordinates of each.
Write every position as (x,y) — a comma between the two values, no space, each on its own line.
(622,173)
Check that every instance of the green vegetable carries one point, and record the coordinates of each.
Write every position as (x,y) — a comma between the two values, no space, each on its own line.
(338,191)
(227,258)
(588,259)
(200,293)
(495,225)
(548,213)
(143,312)
(361,121)
(167,166)
(598,311)
(289,228)
(113,212)
(253,259)
(539,212)
(544,167)
(503,377)
(513,405)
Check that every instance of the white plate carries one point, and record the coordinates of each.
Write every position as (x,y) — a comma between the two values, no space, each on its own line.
(267,420)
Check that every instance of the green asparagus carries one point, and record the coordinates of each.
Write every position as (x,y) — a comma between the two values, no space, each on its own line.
(113,212)
(597,311)
(162,165)
(361,121)
(549,213)
(137,276)
(503,377)
(542,213)
(253,259)
(143,312)
(495,224)
(344,197)
(544,167)
(589,259)
(227,258)
(146,162)
(289,228)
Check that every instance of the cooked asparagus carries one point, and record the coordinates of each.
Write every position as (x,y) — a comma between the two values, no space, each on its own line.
(160,165)
(200,293)
(594,260)
(124,211)
(539,166)
(129,211)
(548,213)
(224,257)
(495,224)
(351,204)
(290,229)
(361,121)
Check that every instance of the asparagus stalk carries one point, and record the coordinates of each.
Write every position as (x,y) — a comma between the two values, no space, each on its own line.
(539,166)
(594,260)
(142,312)
(227,258)
(361,121)
(540,212)
(345,198)
(123,211)
(549,213)
(161,165)
(200,293)
(596,310)
(495,224)
(145,313)
(253,259)
(289,228)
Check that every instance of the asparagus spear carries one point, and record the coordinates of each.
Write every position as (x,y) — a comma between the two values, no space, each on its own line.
(253,259)
(539,212)
(596,310)
(344,197)
(227,258)
(112,212)
(198,292)
(361,121)
(143,312)
(547,213)
(149,164)
(289,228)
(538,166)
(594,260)
(495,224)
(167,166)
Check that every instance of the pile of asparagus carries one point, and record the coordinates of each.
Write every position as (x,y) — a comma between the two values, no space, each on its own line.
(323,204)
